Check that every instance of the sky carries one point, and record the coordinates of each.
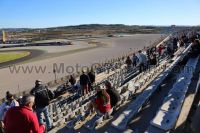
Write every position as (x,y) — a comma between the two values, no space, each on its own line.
(53,13)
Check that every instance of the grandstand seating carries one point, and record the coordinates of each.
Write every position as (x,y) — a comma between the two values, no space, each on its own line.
(71,113)
(169,111)
(134,107)
(73,109)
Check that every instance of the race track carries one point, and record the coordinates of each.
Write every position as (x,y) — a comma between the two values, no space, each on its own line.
(20,81)
(33,54)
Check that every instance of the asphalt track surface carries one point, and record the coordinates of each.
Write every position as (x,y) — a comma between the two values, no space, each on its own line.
(19,81)
(51,48)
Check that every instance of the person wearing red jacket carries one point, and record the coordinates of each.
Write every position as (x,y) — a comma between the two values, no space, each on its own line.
(22,119)
(102,101)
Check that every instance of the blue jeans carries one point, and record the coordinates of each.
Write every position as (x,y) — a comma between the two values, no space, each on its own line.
(44,110)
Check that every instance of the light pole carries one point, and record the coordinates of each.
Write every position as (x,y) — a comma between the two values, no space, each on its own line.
(54,71)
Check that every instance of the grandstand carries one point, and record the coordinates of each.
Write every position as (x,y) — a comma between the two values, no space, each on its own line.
(139,92)
(157,100)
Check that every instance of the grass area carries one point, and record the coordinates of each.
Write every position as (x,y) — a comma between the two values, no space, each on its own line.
(9,56)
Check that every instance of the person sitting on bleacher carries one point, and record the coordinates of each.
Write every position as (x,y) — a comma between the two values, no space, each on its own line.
(22,119)
(195,48)
(193,37)
(102,101)
(114,95)
(180,43)
(72,80)
(10,102)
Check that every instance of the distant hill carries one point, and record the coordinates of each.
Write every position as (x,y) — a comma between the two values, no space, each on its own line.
(83,30)
(116,27)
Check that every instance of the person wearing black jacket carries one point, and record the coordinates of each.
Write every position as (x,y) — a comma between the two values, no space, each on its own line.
(175,40)
(92,77)
(72,80)
(84,82)
(152,59)
(114,95)
(43,97)
(195,48)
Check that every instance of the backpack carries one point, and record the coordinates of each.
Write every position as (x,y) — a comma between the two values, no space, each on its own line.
(114,97)
(42,95)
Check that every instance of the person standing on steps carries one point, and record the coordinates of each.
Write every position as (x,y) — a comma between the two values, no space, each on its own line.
(43,96)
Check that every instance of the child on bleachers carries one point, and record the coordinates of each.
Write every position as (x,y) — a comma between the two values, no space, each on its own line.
(101,103)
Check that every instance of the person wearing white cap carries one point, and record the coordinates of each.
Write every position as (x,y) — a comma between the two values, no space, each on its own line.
(102,101)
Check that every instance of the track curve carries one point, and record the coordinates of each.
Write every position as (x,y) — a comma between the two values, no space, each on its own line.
(33,54)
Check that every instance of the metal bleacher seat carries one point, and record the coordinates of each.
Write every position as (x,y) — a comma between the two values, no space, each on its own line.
(91,124)
(164,118)
(123,119)
(171,105)
(131,87)
(119,90)
(141,82)
(168,113)
(145,78)
(77,115)
(134,107)
(73,122)
(125,95)
(97,119)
